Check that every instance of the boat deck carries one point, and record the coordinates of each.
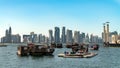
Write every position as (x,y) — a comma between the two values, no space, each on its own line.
(88,55)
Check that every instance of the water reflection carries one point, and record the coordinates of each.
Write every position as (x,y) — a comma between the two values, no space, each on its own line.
(106,58)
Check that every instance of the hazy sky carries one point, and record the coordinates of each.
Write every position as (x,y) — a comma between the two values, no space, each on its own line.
(25,16)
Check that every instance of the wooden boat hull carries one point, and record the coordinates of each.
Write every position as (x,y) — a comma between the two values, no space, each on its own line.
(114,45)
(36,50)
(88,55)
(68,46)
(59,46)
(22,51)
(36,54)
(95,47)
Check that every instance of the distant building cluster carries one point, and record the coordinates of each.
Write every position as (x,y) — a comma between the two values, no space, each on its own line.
(9,38)
(34,38)
(66,36)
(114,37)
(111,37)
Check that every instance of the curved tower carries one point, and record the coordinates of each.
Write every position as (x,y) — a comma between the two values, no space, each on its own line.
(57,35)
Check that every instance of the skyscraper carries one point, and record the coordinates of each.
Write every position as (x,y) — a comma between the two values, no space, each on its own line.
(6,33)
(50,36)
(82,37)
(63,35)
(69,38)
(43,39)
(40,38)
(91,38)
(26,38)
(9,38)
(76,37)
(16,38)
(9,35)
(46,40)
(95,39)
(33,37)
(106,32)
(6,37)
(57,35)
(10,30)
(87,38)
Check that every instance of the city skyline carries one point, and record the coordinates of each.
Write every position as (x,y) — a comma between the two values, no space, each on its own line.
(67,36)
(25,16)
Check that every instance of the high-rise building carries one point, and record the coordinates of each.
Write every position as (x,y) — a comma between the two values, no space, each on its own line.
(87,38)
(50,36)
(69,38)
(8,34)
(76,37)
(46,40)
(91,38)
(10,30)
(16,38)
(57,35)
(82,37)
(63,35)
(4,40)
(106,32)
(43,39)
(100,40)
(9,38)
(33,37)
(6,37)
(95,39)
(40,38)
(26,38)
(113,37)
